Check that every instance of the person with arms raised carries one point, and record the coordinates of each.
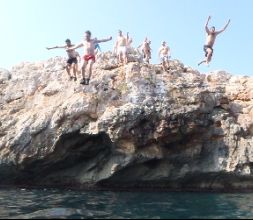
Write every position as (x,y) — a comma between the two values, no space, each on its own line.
(89,57)
(210,41)
(72,62)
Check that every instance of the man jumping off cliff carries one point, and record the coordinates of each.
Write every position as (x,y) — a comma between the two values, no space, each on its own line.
(89,54)
(72,62)
(211,37)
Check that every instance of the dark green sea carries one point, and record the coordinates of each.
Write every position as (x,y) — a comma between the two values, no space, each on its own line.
(49,204)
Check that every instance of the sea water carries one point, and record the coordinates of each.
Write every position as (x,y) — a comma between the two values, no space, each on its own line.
(49,204)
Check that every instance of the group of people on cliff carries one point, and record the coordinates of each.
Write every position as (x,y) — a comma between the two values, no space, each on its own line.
(122,46)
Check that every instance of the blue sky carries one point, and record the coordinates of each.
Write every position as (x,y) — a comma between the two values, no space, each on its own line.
(28,26)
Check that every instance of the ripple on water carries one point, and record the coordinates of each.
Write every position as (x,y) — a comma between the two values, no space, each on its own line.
(36,204)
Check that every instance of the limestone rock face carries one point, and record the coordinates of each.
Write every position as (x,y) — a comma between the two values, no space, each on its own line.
(134,126)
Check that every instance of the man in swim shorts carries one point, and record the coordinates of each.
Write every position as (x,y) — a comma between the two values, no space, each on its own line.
(146,50)
(164,54)
(72,62)
(89,57)
(121,48)
(210,41)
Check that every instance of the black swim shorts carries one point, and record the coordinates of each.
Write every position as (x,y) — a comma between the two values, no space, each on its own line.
(207,47)
(72,60)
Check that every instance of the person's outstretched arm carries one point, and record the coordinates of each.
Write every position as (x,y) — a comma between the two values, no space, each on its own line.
(57,47)
(104,40)
(207,23)
(75,47)
(221,31)
(129,41)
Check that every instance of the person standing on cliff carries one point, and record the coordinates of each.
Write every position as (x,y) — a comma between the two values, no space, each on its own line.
(146,50)
(89,54)
(72,62)
(121,48)
(129,44)
(210,41)
(164,54)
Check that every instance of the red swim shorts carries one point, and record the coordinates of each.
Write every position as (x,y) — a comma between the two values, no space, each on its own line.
(89,57)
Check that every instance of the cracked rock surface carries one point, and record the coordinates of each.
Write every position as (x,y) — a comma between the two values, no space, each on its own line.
(134,126)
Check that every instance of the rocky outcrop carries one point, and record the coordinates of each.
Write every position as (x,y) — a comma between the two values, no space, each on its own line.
(134,126)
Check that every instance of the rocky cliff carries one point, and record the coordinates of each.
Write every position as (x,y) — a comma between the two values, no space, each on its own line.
(134,126)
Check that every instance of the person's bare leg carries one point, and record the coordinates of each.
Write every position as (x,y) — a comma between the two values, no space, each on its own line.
(120,58)
(68,69)
(167,64)
(90,66)
(75,67)
(83,72)
(125,58)
(149,57)
(79,68)
(204,61)
(164,66)
(145,57)
(209,56)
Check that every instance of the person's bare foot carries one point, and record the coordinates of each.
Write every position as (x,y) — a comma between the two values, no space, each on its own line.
(207,64)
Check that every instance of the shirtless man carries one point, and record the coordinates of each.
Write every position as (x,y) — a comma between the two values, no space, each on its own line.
(129,42)
(121,48)
(89,54)
(146,50)
(164,54)
(72,59)
(211,37)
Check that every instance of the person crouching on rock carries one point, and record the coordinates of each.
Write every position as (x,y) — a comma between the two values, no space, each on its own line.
(89,54)
(72,62)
